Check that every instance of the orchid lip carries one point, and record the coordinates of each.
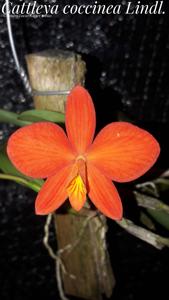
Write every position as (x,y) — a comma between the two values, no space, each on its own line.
(77,184)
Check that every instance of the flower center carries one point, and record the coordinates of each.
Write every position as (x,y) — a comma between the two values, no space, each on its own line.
(77,184)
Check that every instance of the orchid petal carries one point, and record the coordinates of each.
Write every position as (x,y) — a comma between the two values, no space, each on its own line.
(39,150)
(103,194)
(53,193)
(123,151)
(80,119)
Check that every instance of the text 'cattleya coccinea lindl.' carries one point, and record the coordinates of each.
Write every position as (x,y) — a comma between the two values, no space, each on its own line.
(74,164)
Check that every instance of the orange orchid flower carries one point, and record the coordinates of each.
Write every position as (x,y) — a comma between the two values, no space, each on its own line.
(75,165)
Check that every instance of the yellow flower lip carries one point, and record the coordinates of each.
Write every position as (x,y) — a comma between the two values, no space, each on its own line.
(76,187)
(77,191)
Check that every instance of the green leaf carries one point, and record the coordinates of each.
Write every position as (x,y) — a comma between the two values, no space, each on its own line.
(5,165)
(161,217)
(12,118)
(36,115)
(147,221)
(30,184)
(162,184)
(8,168)
(30,116)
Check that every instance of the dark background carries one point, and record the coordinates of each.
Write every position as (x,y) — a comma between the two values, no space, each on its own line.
(128,69)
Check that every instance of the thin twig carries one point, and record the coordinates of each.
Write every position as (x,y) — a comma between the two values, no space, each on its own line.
(150,202)
(59,281)
(151,238)
(59,264)
(149,186)
(46,237)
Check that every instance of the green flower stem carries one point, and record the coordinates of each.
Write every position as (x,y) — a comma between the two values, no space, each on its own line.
(34,186)
(161,217)
(12,118)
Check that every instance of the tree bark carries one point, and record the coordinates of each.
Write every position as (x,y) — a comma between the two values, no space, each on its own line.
(88,259)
